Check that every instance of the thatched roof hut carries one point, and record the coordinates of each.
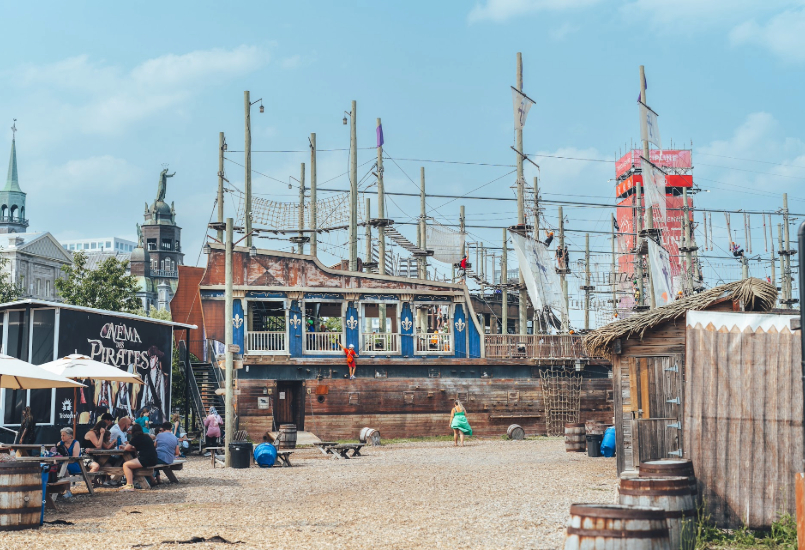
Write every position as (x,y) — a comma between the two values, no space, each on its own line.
(749,295)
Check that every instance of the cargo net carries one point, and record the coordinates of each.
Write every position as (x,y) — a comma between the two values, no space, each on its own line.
(561,393)
(332,212)
(447,244)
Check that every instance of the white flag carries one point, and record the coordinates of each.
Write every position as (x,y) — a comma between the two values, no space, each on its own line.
(654,184)
(522,104)
(649,128)
(662,282)
(539,274)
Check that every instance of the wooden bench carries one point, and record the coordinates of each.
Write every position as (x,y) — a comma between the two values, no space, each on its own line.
(340,451)
(142,475)
(284,458)
(55,488)
(212,455)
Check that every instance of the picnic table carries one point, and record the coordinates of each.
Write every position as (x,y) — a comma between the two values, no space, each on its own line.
(284,458)
(64,480)
(141,475)
(26,449)
(339,451)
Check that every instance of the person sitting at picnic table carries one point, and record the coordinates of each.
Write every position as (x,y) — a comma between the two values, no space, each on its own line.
(181,435)
(459,423)
(167,446)
(143,420)
(120,431)
(213,426)
(351,355)
(68,446)
(146,455)
(98,438)
(27,427)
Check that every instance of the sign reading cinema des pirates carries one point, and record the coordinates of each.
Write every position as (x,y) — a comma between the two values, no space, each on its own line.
(138,347)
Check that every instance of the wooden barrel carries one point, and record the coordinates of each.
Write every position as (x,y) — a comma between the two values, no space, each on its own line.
(287,436)
(677,467)
(516,432)
(594,427)
(575,440)
(616,527)
(370,436)
(672,494)
(20,495)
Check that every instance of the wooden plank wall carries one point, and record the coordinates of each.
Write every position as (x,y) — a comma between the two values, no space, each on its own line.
(416,407)
(743,421)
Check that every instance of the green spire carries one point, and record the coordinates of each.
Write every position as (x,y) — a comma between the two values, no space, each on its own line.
(12,182)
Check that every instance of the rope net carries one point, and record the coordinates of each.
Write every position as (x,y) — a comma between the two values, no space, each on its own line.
(330,212)
(447,244)
(561,393)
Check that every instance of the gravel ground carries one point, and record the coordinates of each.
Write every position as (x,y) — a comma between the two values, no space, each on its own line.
(489,494)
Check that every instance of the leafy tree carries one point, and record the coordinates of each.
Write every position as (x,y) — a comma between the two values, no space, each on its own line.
(106,287)
(9,290)
(154,313)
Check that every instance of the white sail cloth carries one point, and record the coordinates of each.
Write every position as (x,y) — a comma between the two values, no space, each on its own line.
(541,279)
(654,183)
(447,244)
(662,282)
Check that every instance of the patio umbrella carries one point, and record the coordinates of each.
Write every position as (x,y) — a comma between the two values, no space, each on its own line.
(16,374)
(81,367)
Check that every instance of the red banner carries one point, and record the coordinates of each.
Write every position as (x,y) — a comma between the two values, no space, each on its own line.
(671,180)
(680,158)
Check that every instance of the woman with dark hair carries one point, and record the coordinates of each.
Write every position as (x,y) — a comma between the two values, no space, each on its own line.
(27,427)
(146,455)
(98,438)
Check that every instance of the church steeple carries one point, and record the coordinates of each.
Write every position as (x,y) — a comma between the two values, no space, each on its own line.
(12,181)
(12,198)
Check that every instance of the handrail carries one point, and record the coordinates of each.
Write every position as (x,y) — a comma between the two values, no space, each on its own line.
(198,404)
(535,346)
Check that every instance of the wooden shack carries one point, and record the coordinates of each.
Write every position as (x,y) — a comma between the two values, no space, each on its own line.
(710,395)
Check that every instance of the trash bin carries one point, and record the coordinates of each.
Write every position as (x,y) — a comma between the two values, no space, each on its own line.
(608,446)
(265,454)
(594,445)
(240,454)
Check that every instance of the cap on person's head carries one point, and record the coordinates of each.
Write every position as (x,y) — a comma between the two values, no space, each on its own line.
(68,431)
(351,346)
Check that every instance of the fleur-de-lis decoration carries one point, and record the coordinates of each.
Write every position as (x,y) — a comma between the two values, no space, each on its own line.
(352,322)
(237,321)
(460,324)
(406,324)
(296,321)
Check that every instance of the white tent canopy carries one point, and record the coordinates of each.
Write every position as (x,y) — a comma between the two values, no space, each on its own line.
(80,367)
(16,374)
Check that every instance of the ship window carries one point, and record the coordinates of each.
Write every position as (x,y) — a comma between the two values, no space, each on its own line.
(266,316)
(371,318)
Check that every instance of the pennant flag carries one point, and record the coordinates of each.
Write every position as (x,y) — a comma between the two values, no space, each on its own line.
(649,128)
(522,104)
(662,283)
(380,135)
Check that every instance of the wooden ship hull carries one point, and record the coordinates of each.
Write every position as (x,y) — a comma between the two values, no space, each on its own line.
(432,352)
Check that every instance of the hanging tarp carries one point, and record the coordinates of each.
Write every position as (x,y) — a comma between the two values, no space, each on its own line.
(654,184)
(447,244)
(522,104)
(649,127)
(541,280)
(661,277)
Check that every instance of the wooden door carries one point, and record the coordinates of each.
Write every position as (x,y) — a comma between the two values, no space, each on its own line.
(284,403)
(656,406)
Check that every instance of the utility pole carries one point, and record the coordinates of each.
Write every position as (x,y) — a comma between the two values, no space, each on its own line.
(687,239)
(423,225)
(221,141)
(381,229)
(650,209)
(247,214)
(481,265)
(781,253)
(789,291)
(353,188)
(229,409)
(504,279)
(563,271)
(368,232)
(744,267)
(587,287)
(314,250)
(300,247)
(614,279)
(535,320)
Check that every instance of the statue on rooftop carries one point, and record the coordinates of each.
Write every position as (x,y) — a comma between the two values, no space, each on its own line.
(163,184)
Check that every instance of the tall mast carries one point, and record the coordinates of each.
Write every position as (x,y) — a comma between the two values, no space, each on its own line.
(221,141)
(650,209)
(518,136)
(313,209)
(353,188)
(300,247)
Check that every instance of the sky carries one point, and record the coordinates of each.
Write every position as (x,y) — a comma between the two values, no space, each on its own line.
(105,94)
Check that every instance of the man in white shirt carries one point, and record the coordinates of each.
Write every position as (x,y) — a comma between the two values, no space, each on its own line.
(120,429)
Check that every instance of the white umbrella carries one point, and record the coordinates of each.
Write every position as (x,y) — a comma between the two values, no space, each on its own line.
(16,374)
(81,367)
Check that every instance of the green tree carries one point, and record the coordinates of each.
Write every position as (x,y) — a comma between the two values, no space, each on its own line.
(9,290)
(106,287)
(154,313)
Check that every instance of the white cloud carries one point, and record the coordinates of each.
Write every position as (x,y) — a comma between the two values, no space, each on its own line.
(783,35)
(559,33)
(688,15)
(96,98)
(500,11)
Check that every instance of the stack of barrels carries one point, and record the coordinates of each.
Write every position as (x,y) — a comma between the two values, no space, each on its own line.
(657,510)
(575,441)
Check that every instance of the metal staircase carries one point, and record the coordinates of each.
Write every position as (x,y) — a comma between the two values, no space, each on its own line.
(205,380)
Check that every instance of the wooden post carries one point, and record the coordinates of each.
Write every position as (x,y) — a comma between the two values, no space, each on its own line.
(221,141)
(368,233)
(313,209)
(381,231)
(587,282)
(650,209)
(504,294)
(353,188)
(300,247)
(781,253)
(562,276)
(423,225)
(247,209)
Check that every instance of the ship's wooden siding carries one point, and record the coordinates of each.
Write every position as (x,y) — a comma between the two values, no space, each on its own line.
(415,407)
(186,307)
(743,418)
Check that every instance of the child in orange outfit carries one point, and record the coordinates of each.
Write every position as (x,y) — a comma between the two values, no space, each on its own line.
(351,355)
